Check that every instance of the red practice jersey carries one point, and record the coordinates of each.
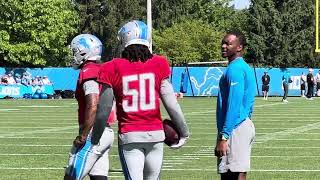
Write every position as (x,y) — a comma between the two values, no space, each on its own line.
(136,87)
(88,72)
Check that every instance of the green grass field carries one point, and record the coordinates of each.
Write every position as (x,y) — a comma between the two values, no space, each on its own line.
(35,138)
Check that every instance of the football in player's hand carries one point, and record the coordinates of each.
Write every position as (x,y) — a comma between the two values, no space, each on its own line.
(171,133)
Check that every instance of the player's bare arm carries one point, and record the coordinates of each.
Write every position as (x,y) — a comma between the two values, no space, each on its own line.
(90,113)
(103,111)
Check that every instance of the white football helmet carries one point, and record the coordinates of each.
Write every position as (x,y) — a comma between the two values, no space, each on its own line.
(85,47)
(134,32)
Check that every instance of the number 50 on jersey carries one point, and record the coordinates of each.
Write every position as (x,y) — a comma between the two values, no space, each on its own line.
(143,97)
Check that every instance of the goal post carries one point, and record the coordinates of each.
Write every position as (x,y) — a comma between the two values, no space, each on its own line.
(317,26)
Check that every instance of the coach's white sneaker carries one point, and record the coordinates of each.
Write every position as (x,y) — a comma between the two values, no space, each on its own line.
(284,100)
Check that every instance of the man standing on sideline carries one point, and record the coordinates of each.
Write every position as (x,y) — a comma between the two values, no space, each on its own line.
(138,80)
(265,85)
(318,83)
(303,80)
(86,158)
(235,102)
(310,82)
(286,79)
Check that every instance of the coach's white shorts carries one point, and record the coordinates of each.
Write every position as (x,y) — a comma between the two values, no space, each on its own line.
(91,159)
(239,151)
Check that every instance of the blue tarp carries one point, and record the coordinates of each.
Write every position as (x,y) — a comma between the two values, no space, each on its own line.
(18,91)
(204,80)
(62,78)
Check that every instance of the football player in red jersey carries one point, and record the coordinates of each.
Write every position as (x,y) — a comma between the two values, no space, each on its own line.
(138,80)
(86,158)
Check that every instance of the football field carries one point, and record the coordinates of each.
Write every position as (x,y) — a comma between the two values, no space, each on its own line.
(36,135)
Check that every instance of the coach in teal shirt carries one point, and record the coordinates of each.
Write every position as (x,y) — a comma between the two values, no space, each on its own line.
(235,97)
(234,109)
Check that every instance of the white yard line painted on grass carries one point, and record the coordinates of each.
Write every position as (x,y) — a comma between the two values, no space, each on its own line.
(42,154)
(281,119)
(167,166)
(266,105)
(43,106)
(212,155)
(287,147)
(213,169)
(29,168)
(13,122)
(39,121)
(174,160)
(285,156)
(285,170)
(37,145)
(285,119)
(312,133)
(39,131)
(214,134)
(34,127)
(9,110)
(182,158)
(307,139)
(288,132)
(210,128)
(281,114)
(17,137)
(29,114)
(213,111)
(172,163)
(17,154)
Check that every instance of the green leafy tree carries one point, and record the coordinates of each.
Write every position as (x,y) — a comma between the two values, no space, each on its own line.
(35,32)
(189,41)
(282,32)
(191,30)
(104,18)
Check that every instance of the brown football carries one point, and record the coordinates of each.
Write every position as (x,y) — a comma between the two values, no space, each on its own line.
(171,132)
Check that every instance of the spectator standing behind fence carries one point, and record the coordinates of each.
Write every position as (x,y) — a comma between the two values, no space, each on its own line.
(286,79)
(25,80)
(310,82)
(46,81)
(265,85)
(4,79)
(10,79)
(318,83)
(38,81)
(17,77)
(303,80)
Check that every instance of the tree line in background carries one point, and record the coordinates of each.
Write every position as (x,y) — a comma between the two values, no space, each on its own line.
(36,33)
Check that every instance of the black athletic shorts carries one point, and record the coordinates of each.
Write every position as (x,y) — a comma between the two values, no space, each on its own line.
(265,88)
